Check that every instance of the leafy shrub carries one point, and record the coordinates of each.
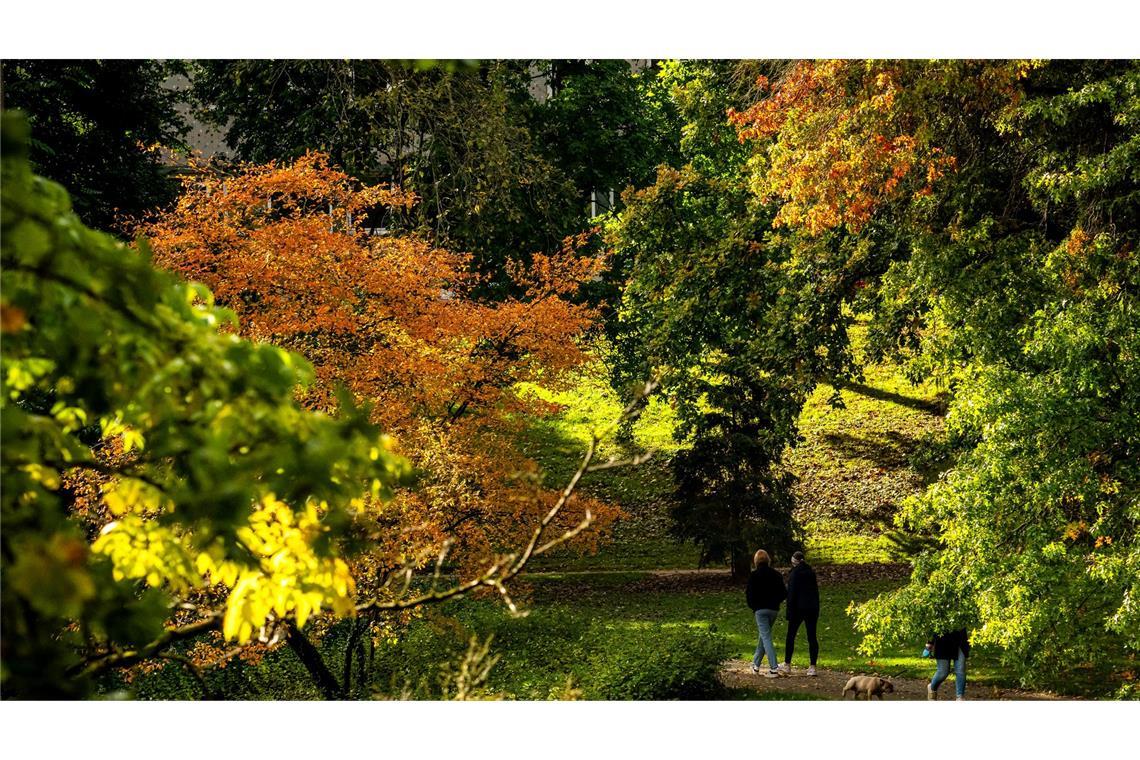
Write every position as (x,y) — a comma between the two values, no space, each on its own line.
(665,663)
(1128,691)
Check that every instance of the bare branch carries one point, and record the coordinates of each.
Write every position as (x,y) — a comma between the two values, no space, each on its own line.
(613,462)
(123,658)
(506,568)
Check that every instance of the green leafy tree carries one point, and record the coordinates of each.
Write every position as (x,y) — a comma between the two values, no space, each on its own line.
(1003,199)
(606,124)
(456,136)
(737,320)
(97,126)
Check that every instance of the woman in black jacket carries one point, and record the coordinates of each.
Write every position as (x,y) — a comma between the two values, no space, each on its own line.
(765,592)
(803,607)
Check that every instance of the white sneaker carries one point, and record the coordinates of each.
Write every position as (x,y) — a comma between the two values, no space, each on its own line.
(960,699)
(755,670)
(771,674)
(785,668)
(811,670)
(930,693)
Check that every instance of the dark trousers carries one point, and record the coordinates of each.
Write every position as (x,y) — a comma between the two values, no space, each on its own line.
(809,619)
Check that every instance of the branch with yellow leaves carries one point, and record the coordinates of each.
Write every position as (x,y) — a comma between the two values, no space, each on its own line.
(495,576)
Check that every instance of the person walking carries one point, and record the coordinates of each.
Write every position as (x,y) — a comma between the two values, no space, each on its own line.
(953,646)
(803,607)
(765,593)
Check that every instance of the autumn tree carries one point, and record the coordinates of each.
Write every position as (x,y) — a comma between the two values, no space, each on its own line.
(1000,201)
(391,319)
(163,489)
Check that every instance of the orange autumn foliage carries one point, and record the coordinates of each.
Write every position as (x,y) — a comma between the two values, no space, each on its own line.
(393,319)
(841,138)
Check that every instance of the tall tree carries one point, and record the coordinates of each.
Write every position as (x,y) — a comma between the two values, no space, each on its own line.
(396,322)
(607,124)
(98,127)
(739,323)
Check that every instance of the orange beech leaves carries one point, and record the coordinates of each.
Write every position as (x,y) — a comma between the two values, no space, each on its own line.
(845,137)
(393,320)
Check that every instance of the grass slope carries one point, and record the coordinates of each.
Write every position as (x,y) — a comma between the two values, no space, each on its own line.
(853,464)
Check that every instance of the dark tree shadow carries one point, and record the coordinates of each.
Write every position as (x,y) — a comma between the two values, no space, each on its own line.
(894,452)
(937,407)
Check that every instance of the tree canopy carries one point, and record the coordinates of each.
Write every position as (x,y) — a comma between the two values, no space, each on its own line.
(99,128)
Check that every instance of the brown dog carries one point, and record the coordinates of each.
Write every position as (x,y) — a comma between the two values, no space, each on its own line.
(869,685)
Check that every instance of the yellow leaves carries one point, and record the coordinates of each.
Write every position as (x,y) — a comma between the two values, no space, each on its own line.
(23,374)
(45,476)
(1075,530)
(131,495)
(289,578)
(286,575)
(133,439)
(141,549)
(72,418)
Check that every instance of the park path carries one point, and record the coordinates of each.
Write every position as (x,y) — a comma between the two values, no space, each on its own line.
(829,685)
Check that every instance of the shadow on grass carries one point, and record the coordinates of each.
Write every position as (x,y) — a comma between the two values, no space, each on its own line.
(935,407)
(891,453)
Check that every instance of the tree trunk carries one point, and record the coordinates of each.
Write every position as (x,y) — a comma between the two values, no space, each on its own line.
(314,663)
(349,652)
(741,565)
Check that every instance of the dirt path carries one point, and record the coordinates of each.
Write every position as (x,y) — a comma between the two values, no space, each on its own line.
(829,685)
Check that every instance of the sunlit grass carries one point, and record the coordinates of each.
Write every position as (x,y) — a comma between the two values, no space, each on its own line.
(852,463)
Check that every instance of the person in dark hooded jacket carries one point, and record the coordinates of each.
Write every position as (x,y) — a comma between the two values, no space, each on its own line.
(803,607)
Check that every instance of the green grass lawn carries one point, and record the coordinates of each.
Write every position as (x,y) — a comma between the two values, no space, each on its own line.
(726,612)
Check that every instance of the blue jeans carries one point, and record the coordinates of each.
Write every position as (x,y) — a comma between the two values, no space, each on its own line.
(764,621)
(959,674)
